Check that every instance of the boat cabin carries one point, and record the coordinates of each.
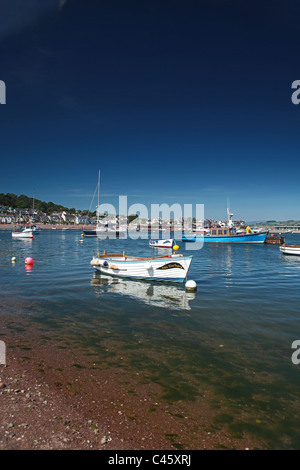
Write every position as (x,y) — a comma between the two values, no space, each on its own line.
(220,231)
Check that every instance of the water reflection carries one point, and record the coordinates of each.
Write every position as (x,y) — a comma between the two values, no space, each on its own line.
(221,260)
(28,269)
(159,295)
(290,261)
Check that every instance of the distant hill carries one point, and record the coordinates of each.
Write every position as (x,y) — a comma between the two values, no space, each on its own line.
(25,202)
(271,223)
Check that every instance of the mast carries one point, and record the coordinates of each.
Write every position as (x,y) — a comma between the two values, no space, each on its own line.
(229,215)
(98,215)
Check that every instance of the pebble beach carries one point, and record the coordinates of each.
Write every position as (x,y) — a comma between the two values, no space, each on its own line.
(48,404)
(96,363)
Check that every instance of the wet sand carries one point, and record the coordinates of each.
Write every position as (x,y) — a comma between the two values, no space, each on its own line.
(52,399)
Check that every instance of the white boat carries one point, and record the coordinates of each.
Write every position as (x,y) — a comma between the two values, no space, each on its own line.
(105,231)
(162,243)
(290,249)
(165,268)
(22,232)
(200,229)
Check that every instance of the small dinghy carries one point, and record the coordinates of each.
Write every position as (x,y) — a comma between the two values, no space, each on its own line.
(290,249)
(172,267)
(162,243)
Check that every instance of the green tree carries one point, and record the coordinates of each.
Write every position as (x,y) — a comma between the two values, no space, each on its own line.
(23,202)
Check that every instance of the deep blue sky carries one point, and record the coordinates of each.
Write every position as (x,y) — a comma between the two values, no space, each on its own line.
(175,101)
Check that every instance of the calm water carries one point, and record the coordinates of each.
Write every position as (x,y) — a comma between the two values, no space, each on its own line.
(232,337)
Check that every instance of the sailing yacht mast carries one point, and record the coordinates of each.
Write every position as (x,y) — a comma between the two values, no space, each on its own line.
(98,215)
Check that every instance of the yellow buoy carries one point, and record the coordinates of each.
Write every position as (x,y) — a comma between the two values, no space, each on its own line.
(82,234)
(175,247)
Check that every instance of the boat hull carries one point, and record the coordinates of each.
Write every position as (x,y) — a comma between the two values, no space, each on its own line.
(24,234)
(104,233)
(170,268)
(239,238)
(290,250)
(161,243)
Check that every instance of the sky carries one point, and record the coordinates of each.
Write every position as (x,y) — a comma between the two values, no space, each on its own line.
(182,101)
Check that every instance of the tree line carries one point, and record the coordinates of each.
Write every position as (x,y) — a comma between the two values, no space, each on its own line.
(25,202)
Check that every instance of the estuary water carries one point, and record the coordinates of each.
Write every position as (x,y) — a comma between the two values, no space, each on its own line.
(232,337)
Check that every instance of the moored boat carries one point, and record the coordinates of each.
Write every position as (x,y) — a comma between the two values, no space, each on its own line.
(227,235)
(172,267)
(290,249)
(162,243)
(104,230)
(272,239)
(22,232)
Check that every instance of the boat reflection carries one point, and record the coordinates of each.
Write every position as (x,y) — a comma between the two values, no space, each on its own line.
(151,293)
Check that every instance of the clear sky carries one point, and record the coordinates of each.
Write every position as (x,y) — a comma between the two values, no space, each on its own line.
(176,101)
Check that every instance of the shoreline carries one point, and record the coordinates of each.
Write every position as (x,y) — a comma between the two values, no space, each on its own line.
(81,228)
(44,227)
(52,400)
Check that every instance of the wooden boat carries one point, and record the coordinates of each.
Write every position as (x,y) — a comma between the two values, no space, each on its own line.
(172,267)
(162,243)
(290,249)
(22,232)
(274,239)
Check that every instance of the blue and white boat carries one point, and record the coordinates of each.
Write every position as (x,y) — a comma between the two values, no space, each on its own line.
(228,234)
(162,243)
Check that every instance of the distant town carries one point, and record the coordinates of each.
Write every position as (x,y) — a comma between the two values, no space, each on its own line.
(22,210)
(18,210)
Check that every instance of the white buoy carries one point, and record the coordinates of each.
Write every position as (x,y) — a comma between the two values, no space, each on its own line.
(13,259)
(190,286)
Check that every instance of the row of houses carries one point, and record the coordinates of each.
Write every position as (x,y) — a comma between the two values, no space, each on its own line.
(10,215)
(22,216)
